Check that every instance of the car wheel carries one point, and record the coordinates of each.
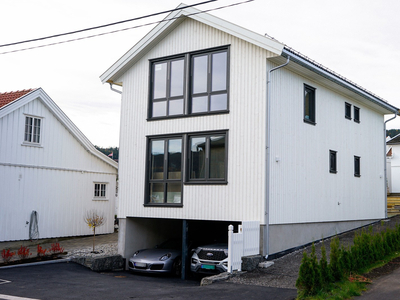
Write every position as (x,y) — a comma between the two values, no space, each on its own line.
(177,266)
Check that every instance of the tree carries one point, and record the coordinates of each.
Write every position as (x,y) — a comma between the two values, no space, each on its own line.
(94,219)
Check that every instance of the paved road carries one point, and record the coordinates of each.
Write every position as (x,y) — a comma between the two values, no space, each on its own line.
(73,281)
(385,287)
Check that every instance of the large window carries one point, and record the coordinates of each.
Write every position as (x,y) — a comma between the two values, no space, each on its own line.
(309,104)
(189,84)
(32,130)
(207,158)
(165,171)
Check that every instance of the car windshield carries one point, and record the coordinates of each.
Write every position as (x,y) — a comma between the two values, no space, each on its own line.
(171,244)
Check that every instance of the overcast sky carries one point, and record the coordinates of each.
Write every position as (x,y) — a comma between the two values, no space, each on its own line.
(359,39)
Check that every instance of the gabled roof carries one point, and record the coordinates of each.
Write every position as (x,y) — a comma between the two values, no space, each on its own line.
(172,21)
(40,94)
(6,98)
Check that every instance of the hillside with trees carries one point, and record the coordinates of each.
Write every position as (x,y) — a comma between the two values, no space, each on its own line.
(392,132)
(111,150)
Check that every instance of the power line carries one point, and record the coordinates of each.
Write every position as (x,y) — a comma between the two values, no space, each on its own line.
(102,26)
(124,29)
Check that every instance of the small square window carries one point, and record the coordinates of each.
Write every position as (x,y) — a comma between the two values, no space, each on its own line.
(100,191)
(356,114)
(347,111)
(357,166)
(309,104)
(332,162)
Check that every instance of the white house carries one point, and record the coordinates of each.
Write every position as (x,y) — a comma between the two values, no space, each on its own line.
(393,164)
(221,125)
(50,174)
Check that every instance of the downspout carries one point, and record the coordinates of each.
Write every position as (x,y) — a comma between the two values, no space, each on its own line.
(114,90)
(268,159)
(385,167)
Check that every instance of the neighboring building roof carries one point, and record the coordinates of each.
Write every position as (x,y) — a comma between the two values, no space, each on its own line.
(394,141)
(6,98)
(389,152)
(40,94)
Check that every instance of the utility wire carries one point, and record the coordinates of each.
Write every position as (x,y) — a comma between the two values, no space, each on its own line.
(102,26)
(129,28)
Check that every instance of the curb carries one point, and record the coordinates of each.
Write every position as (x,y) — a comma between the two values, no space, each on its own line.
(56,261)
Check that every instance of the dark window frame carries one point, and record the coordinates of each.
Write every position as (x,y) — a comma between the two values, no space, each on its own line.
(332,161)
(356,114)
(357,166)
(309,112)
(165,180)
(187,84)
(347,110)
(207,180)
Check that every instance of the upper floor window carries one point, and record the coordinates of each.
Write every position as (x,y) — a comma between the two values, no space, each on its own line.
(32,130)
(332,161)
(191,83)
(347,110)
(356,114)
(357,160)
(100,191)
(309,104)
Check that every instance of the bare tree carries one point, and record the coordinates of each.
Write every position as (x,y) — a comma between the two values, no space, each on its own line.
(94,219)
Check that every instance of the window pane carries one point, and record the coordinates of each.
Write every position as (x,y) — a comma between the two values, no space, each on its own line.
(197,157)
(97,190)
(174,159)
(309,104)
(219,62)
(177,70)
(28,129)
(103,190)
(156,193)
(199,83)
(174,192)
(160,81)
(36,131)
(219,102)
(175,107)
(217,157)
(199,104)
(160,109)
(157,160)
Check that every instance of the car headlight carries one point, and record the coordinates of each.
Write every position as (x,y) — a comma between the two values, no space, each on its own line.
(165,256)
(226,252)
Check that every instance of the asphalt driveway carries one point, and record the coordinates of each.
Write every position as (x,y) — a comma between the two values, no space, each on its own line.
(73,281)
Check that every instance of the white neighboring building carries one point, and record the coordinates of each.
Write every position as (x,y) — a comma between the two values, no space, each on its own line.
(49,167)
(393,164)
(197,117)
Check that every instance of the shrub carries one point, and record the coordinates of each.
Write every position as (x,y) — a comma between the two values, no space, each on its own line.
(305,281)
(41,251)
(55,248)
(324,268)
(7,255)
(23,252)
(335,262)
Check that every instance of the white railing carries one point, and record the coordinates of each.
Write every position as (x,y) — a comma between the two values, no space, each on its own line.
(243,243)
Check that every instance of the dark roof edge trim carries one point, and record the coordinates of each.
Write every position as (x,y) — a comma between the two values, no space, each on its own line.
(342,81)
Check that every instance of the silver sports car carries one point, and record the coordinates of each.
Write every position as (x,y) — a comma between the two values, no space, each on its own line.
(164,258)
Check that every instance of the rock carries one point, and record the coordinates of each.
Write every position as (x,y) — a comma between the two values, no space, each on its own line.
(250,263)
(103,263)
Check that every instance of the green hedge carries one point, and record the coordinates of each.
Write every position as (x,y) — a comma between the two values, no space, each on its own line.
(367,249)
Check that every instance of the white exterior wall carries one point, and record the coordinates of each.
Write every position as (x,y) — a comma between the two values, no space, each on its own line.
(241,198)
(302,188)
(56,179)
(395,169)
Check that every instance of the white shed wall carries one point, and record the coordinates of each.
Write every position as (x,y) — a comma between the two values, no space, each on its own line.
(303,189)
(395,169)
(55,179)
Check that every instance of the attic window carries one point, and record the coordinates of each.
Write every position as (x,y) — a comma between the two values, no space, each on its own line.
(32,130)
(356,114)
(347,111)
(309,104)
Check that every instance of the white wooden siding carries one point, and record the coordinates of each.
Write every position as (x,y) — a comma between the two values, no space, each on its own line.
(303,189)
(55,179)
(241,198)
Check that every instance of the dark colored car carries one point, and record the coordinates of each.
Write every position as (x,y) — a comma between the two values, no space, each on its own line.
(164,258)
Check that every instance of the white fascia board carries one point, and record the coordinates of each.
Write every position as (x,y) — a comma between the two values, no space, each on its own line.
(41,95)
(195,14)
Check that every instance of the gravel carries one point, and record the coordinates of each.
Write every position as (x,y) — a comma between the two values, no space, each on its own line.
(284,272)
